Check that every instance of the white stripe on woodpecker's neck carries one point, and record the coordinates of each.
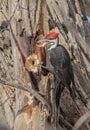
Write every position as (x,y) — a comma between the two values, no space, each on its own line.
(53,43)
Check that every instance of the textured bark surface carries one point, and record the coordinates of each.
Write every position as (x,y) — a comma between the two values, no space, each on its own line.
(19,109)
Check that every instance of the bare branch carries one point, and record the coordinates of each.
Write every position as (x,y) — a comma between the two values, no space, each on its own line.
(4,15)
(12,13)
(65,122)
(23,85)
(81,120)
(11,85)
(27,88)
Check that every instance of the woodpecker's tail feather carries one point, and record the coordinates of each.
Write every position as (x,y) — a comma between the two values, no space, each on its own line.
(59,90)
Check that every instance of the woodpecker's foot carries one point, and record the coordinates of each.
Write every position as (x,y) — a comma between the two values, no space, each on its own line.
(50,75)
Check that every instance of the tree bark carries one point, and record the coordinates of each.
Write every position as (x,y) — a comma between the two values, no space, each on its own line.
(69,19)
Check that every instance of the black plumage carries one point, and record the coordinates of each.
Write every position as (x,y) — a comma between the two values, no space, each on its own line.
(60,60)
(60,65)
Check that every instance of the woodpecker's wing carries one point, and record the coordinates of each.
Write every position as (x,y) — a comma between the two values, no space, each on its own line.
(59,57)
(60,60)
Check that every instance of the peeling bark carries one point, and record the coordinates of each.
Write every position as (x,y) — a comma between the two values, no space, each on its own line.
(69,19)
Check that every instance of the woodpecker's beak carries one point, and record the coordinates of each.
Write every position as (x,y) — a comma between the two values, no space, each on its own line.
(44,40)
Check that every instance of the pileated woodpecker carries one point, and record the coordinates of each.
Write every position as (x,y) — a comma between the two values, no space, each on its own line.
(59,63)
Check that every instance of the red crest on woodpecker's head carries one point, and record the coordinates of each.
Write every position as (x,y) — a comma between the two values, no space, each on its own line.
(52,35)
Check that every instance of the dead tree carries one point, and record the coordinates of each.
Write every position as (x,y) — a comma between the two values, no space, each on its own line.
(28,109)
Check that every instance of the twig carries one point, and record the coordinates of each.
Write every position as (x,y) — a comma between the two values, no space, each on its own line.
(65,122)
(11,15)
(5,101)
(4,15)
(27,88)
(13,12)
(23,85)
(81,120)
(11,85)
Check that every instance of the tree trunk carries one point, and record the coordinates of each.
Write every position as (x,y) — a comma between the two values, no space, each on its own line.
(69,19)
